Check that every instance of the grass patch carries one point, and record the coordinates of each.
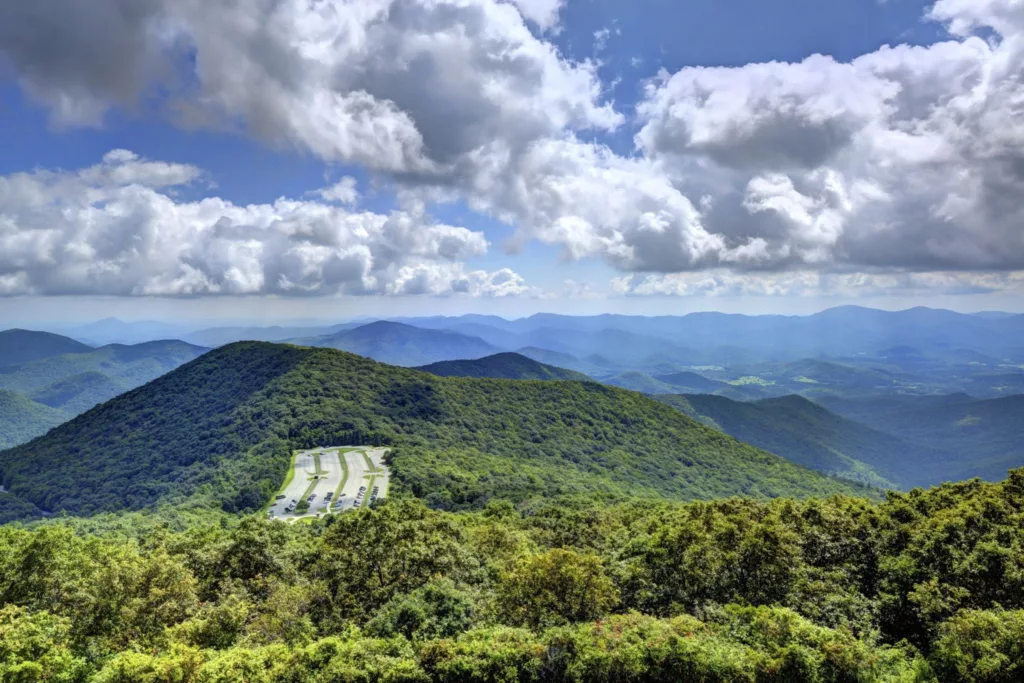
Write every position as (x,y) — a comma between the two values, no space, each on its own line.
(749,380)
(312,484)
(287,480)
(344,475)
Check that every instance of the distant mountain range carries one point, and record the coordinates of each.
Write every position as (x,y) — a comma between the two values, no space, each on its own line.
(400,344)
(503,366)
(220,430)
(59,377)
(25,346)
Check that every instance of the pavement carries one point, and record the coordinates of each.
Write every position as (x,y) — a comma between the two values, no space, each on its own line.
(332,473)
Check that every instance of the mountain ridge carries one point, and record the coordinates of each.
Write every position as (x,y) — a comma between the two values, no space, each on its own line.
(219,431)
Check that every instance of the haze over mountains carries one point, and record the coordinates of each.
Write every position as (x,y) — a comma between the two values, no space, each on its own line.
(849,360)
(48,379)
(220,431)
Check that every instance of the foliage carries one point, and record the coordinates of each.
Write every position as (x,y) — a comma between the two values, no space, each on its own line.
(925,586)
(22,420)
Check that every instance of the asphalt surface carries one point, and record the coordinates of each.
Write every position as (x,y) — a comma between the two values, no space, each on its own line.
(331,475)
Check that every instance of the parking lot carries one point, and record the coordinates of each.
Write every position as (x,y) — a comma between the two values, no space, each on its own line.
(332,480)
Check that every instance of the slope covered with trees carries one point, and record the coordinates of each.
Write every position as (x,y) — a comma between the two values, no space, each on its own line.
(22,419)
(981,437)
(808,434)
(927,587)
(502,366)
(220,430)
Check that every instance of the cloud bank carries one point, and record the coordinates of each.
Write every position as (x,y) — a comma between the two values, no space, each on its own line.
(119,228)
(907,160)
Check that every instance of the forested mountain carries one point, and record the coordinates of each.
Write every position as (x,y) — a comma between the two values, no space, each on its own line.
(76,381)
(808,434)
(399,344)
(22,346)
(502,366)
(22,419)
(985,436)
(220,430)
(78,393)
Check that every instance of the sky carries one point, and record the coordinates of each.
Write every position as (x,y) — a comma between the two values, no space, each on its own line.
(285,159)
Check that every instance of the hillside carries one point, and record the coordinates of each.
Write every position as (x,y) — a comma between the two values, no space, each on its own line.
(22,420)
(23,346)
(639,381)
(400,344)
(76,381)
(502,366)
(806,433)
(220,429)
(691,383)
(986,434)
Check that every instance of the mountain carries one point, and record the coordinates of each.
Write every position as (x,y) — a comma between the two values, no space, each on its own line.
(400,344)
(986,434)
(219,336)
(22,420)
(220,430)
(810,435)
(115,331)
(23,346)
(639,381)
(691,383)
(502,366)
(728,339)
(78,393)
(594,367)
(70,381)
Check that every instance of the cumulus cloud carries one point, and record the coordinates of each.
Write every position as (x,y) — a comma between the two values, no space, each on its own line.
(904,159)
(117,228)
(544,13)
(404,86)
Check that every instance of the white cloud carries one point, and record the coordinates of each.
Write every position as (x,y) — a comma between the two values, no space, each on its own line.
(717,283)
(905,159)
(344,191)
(544,13)
(115,228)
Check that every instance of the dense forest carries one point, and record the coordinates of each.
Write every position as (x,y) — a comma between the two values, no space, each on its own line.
(219,432)
(22,419)
(925,586)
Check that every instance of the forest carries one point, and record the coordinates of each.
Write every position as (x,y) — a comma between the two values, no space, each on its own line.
(927,585)
(218,432)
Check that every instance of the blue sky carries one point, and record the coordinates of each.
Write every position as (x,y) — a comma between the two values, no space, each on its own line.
(508,158)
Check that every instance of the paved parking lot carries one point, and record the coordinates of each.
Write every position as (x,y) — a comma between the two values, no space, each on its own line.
(359,468)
